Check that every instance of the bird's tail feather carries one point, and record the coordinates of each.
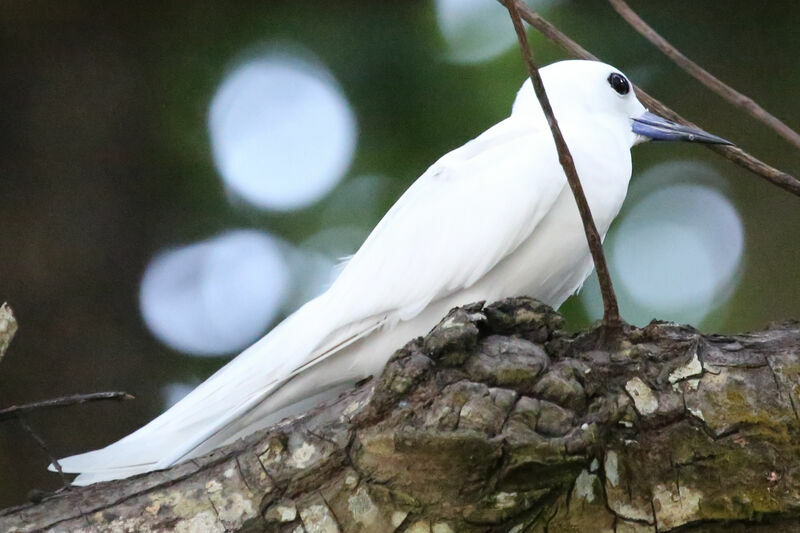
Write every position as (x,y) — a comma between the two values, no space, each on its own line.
(212,407)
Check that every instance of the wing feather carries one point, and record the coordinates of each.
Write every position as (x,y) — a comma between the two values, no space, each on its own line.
(467,212)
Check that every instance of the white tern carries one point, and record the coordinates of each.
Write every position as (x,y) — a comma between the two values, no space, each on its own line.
(492,219)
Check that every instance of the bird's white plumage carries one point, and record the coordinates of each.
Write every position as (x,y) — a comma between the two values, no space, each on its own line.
(491,219)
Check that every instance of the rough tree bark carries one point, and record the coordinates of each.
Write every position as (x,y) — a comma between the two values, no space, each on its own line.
(500,421)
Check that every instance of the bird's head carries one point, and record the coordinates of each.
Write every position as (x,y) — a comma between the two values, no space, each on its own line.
(580,89)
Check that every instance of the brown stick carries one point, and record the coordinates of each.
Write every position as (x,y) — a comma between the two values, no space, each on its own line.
(724,90)
(611,316)
(43,446)
(16,410)
(737,155)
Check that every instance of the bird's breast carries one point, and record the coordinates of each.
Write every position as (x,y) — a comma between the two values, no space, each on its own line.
(554,260)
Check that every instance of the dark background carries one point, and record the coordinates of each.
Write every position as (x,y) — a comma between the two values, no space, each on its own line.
(105,160)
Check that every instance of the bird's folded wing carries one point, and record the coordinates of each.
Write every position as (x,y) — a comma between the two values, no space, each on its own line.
(466,213)
(471,209)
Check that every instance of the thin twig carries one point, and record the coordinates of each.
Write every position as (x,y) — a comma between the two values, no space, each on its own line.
(611,316)
(16,410)
(53,461)
(43,445)
(724,90)
(737,155)
(734,153)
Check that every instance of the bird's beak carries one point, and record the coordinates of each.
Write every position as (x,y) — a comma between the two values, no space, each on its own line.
(657,128)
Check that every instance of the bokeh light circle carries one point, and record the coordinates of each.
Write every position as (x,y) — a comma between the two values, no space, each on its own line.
(676,250)
(217,296)
(477,30)
(174,392)
(282,132)
(679,248)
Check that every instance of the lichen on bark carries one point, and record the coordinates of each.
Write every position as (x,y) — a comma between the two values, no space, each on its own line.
(498,420)
(8,328)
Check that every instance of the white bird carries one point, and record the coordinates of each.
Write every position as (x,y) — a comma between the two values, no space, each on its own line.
(492,219)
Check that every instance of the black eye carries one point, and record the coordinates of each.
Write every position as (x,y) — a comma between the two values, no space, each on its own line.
(619,83)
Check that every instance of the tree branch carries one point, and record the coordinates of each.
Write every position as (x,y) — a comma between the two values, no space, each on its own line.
(611,317)
(498,420)
(722,89)
(733,153)
(64,401)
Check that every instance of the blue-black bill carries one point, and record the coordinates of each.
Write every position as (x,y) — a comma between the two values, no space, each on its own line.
(658,128)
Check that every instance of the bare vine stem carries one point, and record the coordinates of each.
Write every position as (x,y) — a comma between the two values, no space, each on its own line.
(737,155)
(16,410)
(43,446)
(8,327)
(611,317)
(724,90)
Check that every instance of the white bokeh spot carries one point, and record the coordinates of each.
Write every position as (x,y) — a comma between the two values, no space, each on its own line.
(172,393)
(478,30)
(216,296)
(677,251)
(282,132)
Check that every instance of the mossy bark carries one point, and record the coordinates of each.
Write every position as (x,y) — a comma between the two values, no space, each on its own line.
(499,421)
